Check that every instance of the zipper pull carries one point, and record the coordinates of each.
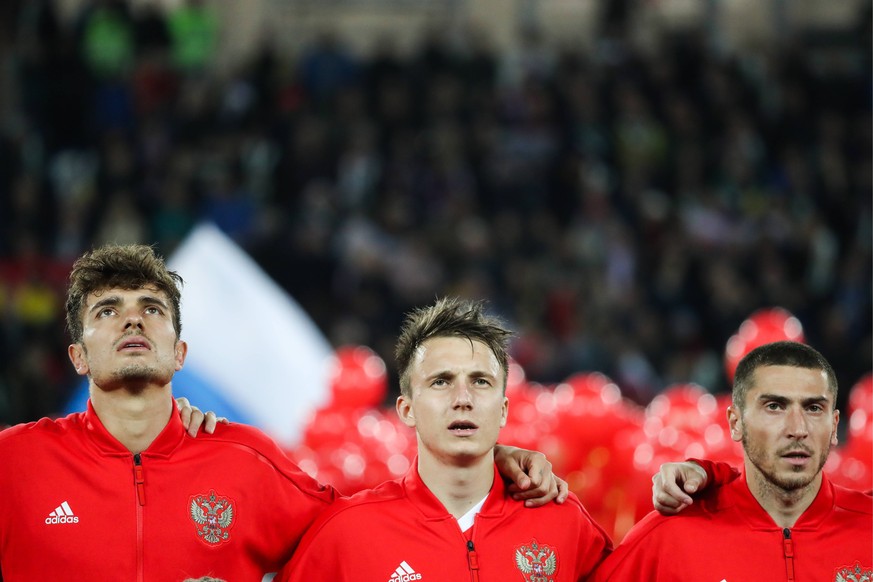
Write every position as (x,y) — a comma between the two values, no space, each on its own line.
(473,560)
(139,478)
(788,550)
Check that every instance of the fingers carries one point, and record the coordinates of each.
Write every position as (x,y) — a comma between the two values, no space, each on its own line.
(544,489)
(673,483)
(212,421)
(185,411)
(197,418)
(193,418)
(667,497)
(563,491)
(695,477)
(540,471)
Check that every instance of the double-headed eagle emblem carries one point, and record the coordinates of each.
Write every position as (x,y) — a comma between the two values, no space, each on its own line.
(537,563)
(854,574)
(213,516)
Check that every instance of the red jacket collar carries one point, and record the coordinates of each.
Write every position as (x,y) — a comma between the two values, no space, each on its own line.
(432,508)
(163,446)
(738,493)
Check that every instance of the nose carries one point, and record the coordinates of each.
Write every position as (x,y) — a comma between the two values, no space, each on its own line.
(132,318)
(462,396)
(795,423)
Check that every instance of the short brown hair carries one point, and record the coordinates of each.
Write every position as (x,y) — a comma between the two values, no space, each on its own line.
(450,317)
(784,353)
(119,267)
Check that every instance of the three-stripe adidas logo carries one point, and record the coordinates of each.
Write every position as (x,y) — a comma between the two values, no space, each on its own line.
(404,573)
(62,514)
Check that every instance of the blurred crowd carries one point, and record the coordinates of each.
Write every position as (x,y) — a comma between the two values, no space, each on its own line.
(623,209)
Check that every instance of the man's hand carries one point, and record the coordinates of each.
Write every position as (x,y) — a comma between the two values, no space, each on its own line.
(193,418)
(531,473)
(673,483)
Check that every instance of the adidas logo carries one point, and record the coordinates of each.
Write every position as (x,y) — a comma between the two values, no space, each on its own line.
(62,514)
(404,573)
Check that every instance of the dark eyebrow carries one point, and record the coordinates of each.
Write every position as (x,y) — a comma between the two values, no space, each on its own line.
(783,400)
(482,374)
(151,300)
(448,374)
(110,301)
(114,300)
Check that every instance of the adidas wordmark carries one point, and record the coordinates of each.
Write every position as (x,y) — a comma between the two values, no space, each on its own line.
(62,514)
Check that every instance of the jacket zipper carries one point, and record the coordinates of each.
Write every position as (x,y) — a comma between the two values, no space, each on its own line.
(788,551)
(473,561)
(139,485)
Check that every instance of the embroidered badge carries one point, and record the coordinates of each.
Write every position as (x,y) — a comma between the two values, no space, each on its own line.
(212,516)
(854,574)
(537,563)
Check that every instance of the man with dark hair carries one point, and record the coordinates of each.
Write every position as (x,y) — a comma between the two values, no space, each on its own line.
(782,519)
(450,517)
(121,491)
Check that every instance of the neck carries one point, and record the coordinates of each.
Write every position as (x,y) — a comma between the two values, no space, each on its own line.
(134,418)
(784,506)
(458,487)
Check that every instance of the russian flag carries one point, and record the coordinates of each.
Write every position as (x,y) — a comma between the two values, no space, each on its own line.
(254,355)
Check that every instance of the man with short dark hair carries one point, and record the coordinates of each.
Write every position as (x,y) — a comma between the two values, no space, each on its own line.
(782,519)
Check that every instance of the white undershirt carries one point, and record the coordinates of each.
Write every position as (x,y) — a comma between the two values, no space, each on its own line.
(466,520)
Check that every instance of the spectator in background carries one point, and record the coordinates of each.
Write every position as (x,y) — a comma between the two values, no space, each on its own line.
(750,184)
(194,35)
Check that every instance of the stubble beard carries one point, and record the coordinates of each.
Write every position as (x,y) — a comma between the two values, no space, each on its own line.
(769,478)
(135,378)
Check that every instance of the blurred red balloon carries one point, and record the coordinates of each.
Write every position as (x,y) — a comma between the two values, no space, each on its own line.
(359,378)
(762,327)
(855,468)
(861,402)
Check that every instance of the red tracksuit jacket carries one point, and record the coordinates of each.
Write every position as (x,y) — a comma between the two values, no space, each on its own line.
(400,532)
(726,536)
(76,505)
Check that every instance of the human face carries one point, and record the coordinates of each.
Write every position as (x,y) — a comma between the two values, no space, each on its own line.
(456,403)
(128,340)
(787,428)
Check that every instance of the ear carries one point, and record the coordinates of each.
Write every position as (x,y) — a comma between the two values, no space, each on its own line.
(405,410)
(835,440)
(735,422)
(76,352)
(505,413)
(181,353)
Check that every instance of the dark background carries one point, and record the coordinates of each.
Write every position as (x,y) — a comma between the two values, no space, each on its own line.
(623,208)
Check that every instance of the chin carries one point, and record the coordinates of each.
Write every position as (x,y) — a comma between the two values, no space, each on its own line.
(792,481)
(468,454)
(143,375)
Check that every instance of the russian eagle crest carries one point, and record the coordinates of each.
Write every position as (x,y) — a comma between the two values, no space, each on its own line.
(537,563)
(212,516)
